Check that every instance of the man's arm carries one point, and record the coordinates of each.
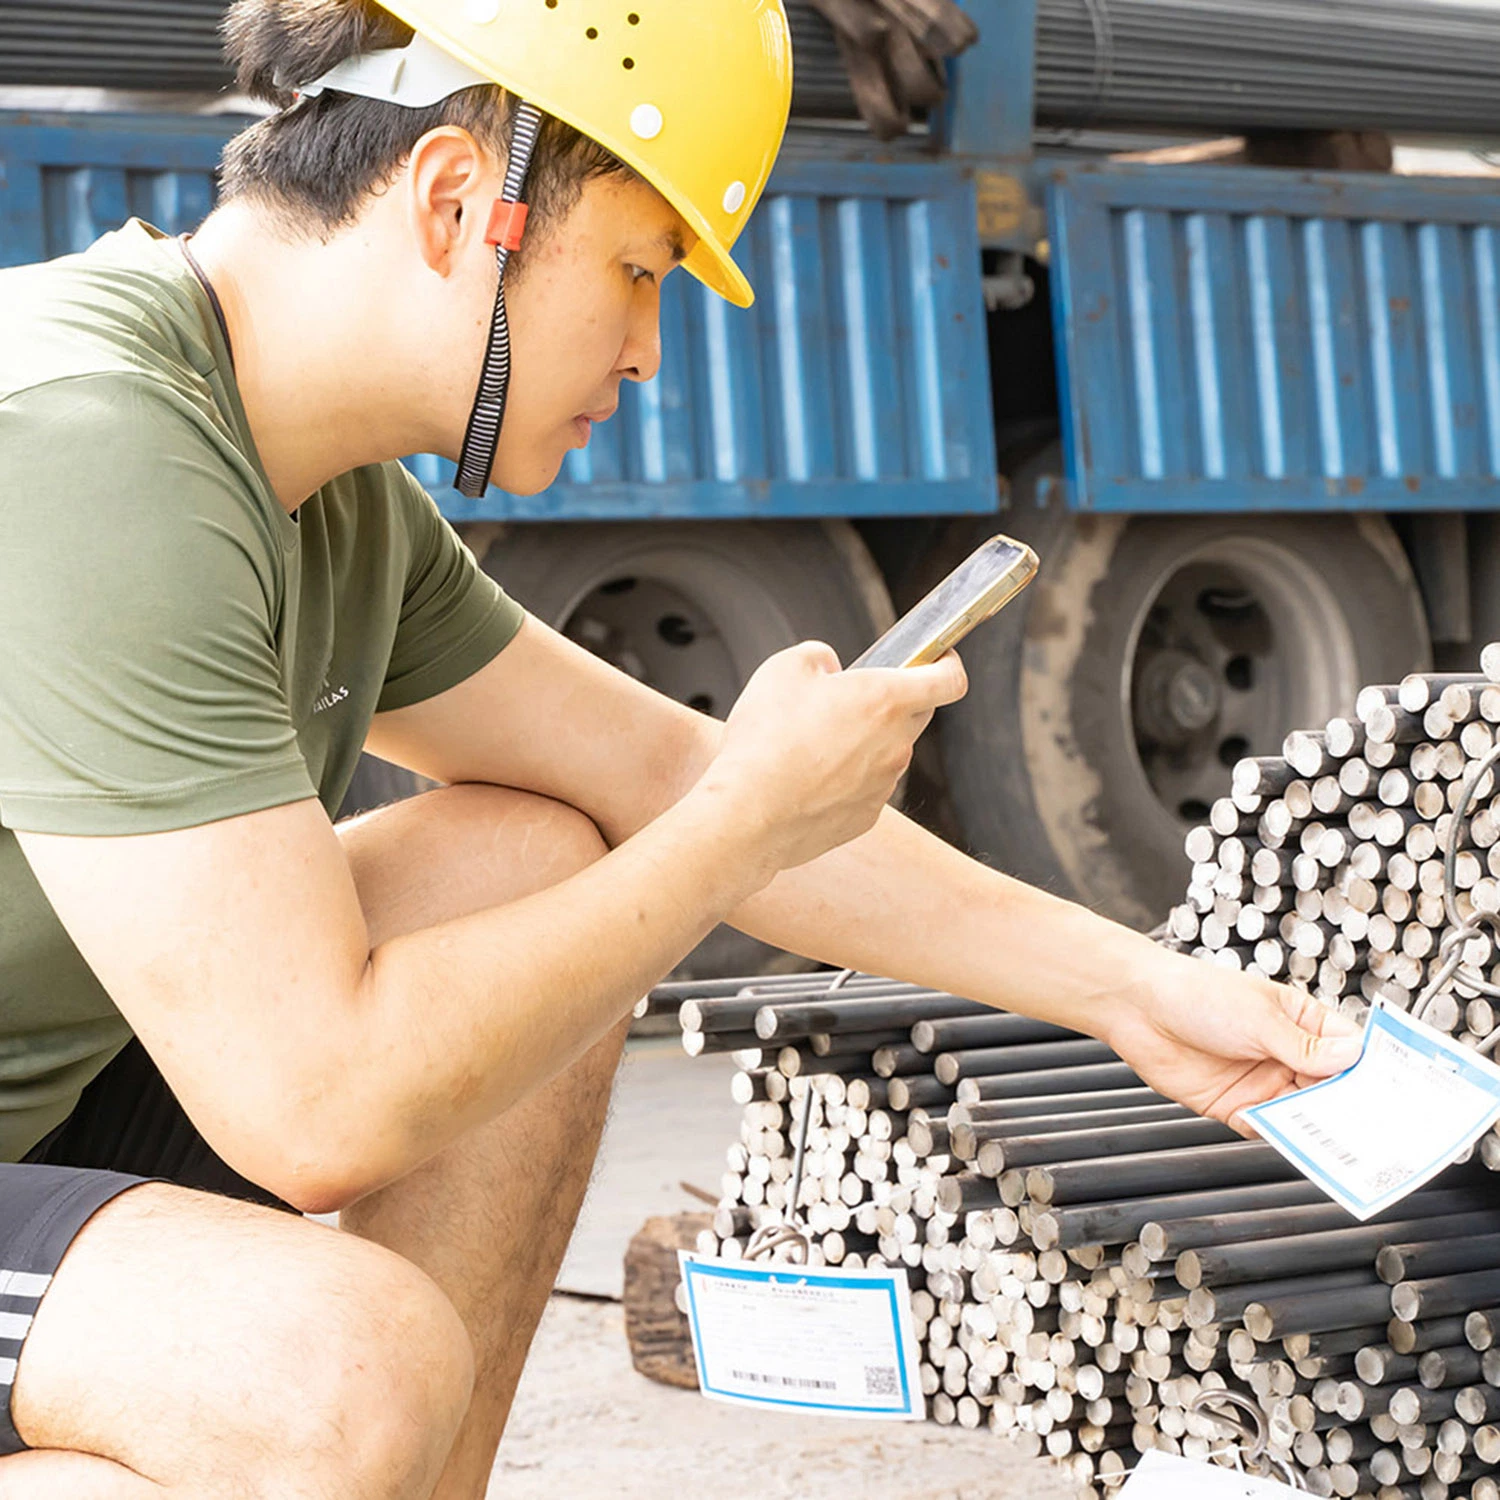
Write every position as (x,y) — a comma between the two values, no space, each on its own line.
(321,1069)
(897,901)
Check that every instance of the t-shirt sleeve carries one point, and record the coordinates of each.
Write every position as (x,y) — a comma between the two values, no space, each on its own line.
(455,618)
(141,582)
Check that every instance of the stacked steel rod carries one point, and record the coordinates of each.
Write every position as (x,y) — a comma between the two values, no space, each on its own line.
(1096,1271)
(1228,65)
(1195,64)
(1364,862)
(1279,64)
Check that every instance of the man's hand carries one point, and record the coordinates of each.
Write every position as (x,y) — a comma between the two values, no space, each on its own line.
(813,754)
(1220,1041)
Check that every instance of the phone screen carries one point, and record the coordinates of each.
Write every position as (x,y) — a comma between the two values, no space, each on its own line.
(984,582)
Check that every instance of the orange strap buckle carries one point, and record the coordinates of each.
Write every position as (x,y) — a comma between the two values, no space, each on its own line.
(507,224)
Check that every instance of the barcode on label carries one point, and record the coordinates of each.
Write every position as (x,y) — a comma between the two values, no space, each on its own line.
(882,1380)
(796,1382)
(1330,1143)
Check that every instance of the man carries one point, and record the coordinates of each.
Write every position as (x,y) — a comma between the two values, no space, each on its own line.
(217,586)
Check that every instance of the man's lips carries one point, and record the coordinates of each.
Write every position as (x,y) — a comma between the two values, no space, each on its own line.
(585,423)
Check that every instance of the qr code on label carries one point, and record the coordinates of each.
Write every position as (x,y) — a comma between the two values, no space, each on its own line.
(882,1380)
(1388,1179)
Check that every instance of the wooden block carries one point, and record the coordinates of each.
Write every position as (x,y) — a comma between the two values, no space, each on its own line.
(661,1343)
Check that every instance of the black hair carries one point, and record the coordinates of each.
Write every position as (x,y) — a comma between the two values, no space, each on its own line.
(316,163)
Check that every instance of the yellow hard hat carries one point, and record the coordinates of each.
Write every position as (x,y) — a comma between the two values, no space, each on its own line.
(691,94)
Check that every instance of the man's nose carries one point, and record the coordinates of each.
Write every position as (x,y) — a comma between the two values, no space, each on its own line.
(640,359)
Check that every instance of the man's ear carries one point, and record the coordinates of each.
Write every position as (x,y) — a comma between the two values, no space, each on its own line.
(447,198)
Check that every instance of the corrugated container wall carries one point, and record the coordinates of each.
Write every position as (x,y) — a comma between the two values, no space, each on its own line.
(1234,339)
(857,385)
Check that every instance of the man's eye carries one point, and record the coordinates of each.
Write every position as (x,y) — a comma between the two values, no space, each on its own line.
(640,273)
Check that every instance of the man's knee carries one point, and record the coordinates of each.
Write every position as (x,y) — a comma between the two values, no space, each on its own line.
(390,1381)
(460,849)
(201,1340)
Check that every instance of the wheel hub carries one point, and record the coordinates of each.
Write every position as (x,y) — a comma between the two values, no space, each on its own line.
(658,635)
(1235,643)
(1177,696)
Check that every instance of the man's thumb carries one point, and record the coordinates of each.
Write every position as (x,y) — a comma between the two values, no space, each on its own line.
(1304,1051)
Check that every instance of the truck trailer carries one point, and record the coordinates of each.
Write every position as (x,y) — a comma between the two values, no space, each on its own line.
(1140,289)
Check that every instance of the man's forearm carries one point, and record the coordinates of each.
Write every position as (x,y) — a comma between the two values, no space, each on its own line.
(902,903)
(454,1023)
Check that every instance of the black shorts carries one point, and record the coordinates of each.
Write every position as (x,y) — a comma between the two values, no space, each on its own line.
(127,1128)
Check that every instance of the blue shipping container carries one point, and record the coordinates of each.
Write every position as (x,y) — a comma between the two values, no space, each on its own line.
(857,385)
(1236,339)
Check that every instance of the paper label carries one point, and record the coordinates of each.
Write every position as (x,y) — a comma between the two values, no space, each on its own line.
(1413,1102)
(839,1342)
(1163,1476)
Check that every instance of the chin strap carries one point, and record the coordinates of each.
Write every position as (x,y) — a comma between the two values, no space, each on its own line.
(507,224)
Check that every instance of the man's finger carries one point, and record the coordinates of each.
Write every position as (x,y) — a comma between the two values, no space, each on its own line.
(943,681)
(1312,1015)
(1305,1051)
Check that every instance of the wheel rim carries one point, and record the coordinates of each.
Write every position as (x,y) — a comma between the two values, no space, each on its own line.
(659,635)
(1233,644)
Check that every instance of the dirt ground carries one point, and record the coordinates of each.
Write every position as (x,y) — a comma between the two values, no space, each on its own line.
(587,1427)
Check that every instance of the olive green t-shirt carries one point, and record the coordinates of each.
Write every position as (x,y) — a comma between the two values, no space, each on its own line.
(174,647)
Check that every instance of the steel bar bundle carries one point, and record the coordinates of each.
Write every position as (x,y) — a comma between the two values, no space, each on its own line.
(120,44)
(1231,66)
(174,45)
(1096,1271)
(1419,65)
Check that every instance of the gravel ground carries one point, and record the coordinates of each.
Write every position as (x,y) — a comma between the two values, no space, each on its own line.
(587,1427)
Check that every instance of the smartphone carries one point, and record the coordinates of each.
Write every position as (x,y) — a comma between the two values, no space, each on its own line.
(980,586)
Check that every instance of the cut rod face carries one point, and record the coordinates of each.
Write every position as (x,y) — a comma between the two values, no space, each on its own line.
(1158,1172)
(1010,1152)
(787,1021)
(1416,1338)
(963,1033)
(1047,1081)
(1439,1369)
(1442,1296)
(992,1062)
(1434,1256)
(1351,1308)
(1057,1104)
(1227,1303)
(987,1129)
(1225,1265)
(1168,1238)
(1117,1223)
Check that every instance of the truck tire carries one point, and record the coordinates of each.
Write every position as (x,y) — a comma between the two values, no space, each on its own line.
(1109,702)
(693,608)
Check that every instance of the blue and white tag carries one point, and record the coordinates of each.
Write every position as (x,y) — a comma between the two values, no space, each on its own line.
(1414,1101)
(809,1340)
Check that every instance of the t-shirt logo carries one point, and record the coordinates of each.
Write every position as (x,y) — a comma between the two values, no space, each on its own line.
(330,697)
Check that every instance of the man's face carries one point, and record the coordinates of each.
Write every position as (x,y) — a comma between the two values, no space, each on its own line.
(583,316)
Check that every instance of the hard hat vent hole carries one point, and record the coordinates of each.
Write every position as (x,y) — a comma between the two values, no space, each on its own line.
(633,19)
(592,33)
(627,62)
(551,4)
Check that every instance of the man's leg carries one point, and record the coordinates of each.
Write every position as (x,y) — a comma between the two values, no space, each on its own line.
(490,1218)
(195,1348)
